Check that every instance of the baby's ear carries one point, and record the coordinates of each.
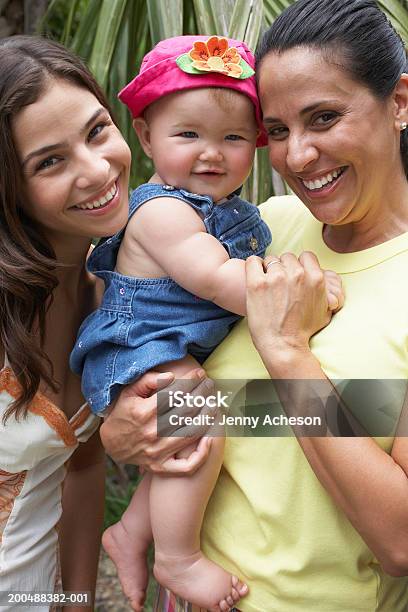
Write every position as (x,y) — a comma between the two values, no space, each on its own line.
(142,130)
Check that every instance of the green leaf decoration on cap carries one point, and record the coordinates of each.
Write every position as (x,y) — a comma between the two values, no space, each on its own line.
(185,63)
(215,56)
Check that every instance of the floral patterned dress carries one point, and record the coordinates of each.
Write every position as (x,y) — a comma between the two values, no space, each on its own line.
(33,456)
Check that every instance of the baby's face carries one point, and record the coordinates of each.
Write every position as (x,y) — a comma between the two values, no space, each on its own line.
(203,140)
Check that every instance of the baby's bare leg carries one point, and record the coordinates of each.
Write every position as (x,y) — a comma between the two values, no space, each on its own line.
(177,507)
(179,563)
(127,542)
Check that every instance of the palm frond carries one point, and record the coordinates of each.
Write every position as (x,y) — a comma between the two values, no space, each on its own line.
(165,18)
(205,17)
(114,35)
(397,14)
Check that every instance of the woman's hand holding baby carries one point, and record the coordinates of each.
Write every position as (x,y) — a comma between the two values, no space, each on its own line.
(129,433)
(334,290)
(289,300)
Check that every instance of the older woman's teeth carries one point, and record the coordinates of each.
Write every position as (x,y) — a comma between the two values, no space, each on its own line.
(101,201)
(323,180)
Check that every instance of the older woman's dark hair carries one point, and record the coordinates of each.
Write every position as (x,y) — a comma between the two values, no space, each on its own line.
(354,33)
(27,262)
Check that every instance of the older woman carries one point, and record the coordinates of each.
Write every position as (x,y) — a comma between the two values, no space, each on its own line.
(322,523)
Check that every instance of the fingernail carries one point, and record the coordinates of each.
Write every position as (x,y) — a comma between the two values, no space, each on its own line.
(166,376)
(201,373)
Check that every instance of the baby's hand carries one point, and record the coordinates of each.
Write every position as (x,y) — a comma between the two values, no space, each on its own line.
(334,290)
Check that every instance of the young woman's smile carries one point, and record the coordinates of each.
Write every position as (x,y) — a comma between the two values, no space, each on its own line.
(100,203)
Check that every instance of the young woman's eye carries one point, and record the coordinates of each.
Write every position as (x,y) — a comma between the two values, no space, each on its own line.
(233,137)
(188,134)
(325,118)
(278,132)
(96,130)
(47,163)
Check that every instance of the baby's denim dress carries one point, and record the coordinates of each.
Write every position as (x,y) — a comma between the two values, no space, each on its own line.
(144,322)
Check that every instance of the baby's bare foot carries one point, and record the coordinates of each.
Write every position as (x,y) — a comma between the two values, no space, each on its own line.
(130,561)
(199,581)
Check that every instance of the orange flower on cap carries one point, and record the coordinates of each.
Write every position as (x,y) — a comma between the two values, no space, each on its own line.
(215,56)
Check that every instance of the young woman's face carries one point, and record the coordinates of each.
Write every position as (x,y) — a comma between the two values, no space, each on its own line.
(75,163)
(330,138)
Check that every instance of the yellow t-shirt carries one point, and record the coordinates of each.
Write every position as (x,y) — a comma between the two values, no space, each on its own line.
(269,519)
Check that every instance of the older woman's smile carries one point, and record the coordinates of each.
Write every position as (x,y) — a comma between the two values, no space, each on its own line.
(323,142)
(323,182)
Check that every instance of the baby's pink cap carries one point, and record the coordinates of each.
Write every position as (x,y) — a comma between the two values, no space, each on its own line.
(160,75)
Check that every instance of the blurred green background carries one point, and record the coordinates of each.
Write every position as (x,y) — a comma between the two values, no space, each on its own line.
(112,36)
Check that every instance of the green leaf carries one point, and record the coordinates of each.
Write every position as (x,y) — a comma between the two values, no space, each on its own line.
(258,187)
(247,71)
(222,11)
(51,9)
(204,13)
(68,23)
(106,38)
(397,14)
(246,21)
(185,63)
(165,19)
(273,8)
(85,34)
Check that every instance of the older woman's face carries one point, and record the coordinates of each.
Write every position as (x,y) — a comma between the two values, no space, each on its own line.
(75,163)
(334,143)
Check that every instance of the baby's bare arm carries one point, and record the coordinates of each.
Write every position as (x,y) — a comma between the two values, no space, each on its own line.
(174,239)
(168,238)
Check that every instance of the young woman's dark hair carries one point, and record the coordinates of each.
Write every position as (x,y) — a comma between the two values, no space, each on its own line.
(354,33)
(27,262)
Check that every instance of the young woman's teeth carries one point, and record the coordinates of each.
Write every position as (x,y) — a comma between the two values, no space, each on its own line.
(323,180)
(101,202)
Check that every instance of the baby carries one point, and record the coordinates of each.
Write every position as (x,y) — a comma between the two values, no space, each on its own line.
(174,286)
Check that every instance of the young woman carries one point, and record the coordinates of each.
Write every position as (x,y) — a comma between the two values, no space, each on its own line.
(64,171)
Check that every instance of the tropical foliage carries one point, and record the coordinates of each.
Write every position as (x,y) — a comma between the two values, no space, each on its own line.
(114,35)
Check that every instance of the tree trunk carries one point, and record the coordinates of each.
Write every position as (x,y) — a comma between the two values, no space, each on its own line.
(34,11)
(11,17)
